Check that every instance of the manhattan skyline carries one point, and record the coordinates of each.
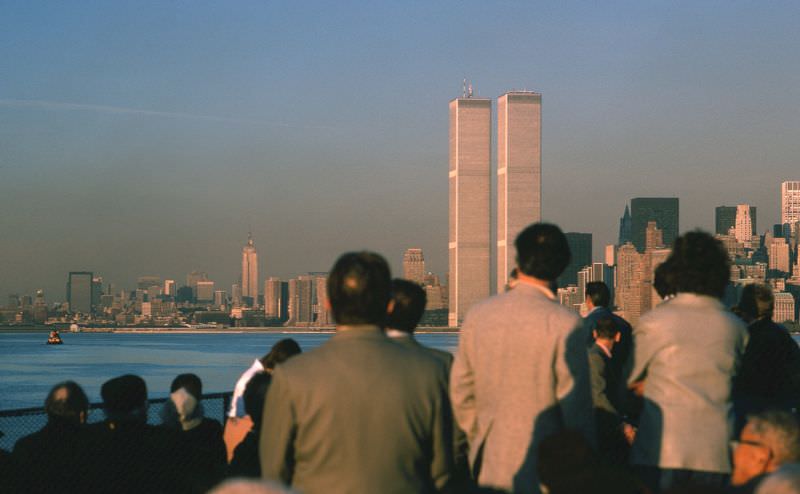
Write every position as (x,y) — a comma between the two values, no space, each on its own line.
(146,139)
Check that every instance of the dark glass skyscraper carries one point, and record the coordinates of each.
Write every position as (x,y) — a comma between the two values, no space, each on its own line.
(580,245)
(79,292)
(663,210)
(625,227)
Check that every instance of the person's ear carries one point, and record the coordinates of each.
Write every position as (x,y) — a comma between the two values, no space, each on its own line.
(390,306)
(82,417)
(617,337)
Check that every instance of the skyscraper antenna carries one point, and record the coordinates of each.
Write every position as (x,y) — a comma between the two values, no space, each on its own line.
(464,88)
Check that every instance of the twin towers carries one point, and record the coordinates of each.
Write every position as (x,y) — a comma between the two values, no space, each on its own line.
(519,190)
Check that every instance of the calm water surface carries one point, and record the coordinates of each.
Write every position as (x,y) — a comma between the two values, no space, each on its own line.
(29,367)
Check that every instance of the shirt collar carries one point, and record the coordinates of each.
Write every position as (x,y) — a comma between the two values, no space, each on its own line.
(397,334)
(603,347)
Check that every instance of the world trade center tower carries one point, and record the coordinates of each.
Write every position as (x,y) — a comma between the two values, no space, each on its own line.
(470,158)
(519,173)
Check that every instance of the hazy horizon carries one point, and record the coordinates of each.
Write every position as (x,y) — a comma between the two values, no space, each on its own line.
(149,138)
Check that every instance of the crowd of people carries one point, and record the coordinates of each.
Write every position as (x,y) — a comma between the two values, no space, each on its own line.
(536,399)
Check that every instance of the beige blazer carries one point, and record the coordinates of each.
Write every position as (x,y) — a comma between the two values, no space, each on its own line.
(359,414)
(521,373)
(687,351)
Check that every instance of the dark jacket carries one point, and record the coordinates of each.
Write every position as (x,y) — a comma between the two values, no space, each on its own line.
(47,460)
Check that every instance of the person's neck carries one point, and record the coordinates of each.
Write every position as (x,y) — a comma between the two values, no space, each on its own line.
(532,280)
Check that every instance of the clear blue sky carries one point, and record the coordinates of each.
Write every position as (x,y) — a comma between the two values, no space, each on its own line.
(147,138)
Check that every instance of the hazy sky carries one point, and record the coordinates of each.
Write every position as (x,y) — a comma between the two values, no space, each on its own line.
(147,138)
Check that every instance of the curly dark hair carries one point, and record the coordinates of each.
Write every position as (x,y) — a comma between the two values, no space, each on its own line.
(698,264)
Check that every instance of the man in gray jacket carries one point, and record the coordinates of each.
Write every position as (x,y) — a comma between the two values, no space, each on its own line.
(359,414)
(521,370)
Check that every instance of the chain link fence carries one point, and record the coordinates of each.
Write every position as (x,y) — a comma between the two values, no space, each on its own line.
(15,424)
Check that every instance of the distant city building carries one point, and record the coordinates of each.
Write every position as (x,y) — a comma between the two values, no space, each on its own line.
(519,173)
(725,219)
(205,291)
(629,282)
(743,229)
(469,182)
(236,295)
(580,245)
(79,292)
(145,282)
(414,266)
(779,255)
(272,298)
(784,307)
(625,227)
(170,289)
(663,210)
(790,203)
(192,279)
(301,303)
(220,298)
(323,315)
(250,271)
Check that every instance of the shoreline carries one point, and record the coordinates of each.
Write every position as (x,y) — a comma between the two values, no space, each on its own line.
(182,330)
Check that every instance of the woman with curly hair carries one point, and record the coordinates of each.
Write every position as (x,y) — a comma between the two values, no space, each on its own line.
(685,353)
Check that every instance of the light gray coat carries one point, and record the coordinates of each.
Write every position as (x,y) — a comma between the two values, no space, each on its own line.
(521,373)
(687,350)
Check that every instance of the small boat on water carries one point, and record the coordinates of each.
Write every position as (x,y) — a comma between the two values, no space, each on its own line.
(54,339)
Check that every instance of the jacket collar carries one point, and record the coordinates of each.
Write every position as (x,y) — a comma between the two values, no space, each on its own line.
(346,331)
(536,290)
(689,299)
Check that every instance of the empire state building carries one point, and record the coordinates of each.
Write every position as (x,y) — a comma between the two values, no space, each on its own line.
(250,271)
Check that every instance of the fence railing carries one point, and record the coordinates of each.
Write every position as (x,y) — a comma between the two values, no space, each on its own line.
(18,423)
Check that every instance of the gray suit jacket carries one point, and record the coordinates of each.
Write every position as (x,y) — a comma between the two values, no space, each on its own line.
(687,350)
(359,414)
(521,373)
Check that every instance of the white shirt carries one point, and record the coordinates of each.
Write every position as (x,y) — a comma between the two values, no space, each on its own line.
(237,401)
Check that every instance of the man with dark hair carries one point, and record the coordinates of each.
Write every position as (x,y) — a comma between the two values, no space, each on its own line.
(769,375)
(359,414)
(770,439)
(521,372)
(408,305)
(598,301)
(47,458)
(125,454)
(605,392)
(685,353)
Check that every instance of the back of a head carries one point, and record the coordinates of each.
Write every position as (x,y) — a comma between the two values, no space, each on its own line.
(780,430)
(254,394)
(280,352)
(606,327)
(250,486)
(542,251)
(66,403)
(125,397)
(409,304)
(359,288)
(662,280)
(786,480)
(757,302)
(189,382)
(598,293)
(699,264)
